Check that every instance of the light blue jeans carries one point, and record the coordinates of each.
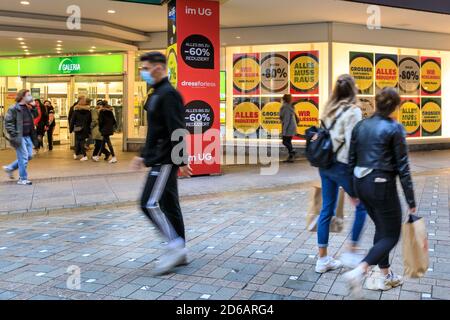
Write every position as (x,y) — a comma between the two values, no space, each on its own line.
(24,154)
(332,178)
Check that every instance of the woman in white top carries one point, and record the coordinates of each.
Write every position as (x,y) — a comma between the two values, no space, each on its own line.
(343,106)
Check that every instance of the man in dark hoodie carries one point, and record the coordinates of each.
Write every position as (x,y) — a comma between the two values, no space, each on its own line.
(160,202)
(80,123)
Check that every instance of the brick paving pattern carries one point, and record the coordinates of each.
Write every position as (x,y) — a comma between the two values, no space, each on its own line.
(243,245)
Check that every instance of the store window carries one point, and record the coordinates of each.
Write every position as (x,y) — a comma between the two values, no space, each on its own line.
(421,77)
(257,78)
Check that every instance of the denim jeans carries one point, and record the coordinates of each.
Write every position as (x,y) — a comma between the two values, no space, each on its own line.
(24,153)
(332,178)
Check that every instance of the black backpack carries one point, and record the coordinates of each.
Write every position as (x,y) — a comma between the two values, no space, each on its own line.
(319,147)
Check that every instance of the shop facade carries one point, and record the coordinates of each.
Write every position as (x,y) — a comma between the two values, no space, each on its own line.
(62,80)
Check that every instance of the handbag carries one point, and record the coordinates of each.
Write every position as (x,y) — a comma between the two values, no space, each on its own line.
(315,206)
(415,247)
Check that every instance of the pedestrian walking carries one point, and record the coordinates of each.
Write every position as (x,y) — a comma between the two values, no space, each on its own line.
(21,134)
(50,110)
(160,201)
(81,125)
(40,123)
(289,121)
(107,123)
(378,154)
(340,116)
(99,148)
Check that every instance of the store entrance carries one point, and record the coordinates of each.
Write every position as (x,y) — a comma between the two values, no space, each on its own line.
(63,92)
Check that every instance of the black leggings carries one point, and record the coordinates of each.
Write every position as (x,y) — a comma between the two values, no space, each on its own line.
(107,141)
(100,148)
(287,142)
(80,145)
(378,193)
(160,201)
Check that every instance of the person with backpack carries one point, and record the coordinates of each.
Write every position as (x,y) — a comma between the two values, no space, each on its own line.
(340,116)
(378,154)
(81,124)
(107,123)
(289,122)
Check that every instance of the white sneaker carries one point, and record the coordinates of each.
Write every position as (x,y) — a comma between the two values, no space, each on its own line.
(384,283)
(171,260)
(24,182)
(351,259)
(354,281)
(326,264)
(9,172)
(96,158)
(75,157)
(113,160)
(84,159)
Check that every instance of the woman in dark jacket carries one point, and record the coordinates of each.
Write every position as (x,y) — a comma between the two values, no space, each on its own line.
(81,124)
(40,122)
(107,123)
(289,122)
(378,154)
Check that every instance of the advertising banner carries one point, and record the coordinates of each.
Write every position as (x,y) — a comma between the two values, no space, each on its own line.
(246,117)
(274,73)
(304,72)
(270,115)
(431,117)
(194,67)
(409,116)
(386,71)
(246,74)
(367,105)
(361,68)
(409,76)
(431,76)
(307,109)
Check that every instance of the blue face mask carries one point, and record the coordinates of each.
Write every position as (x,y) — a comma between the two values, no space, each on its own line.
(147,77)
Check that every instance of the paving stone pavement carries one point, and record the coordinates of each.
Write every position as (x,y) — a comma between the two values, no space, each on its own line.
(243,245)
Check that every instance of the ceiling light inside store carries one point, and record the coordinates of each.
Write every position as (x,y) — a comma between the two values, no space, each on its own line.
(91,50)
(238,37)
(24,47)
(25,3)
(22,42)
(59,41)
(111,11)
(20,39)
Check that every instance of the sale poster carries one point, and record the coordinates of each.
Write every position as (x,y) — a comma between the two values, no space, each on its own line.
(431,76)
(362,70)
(409,76)
(246,117)
(270,116)
(409,116)
(386,71)
(367,105)
(431,117)
(307,110)
(274,73)
(304,72)
(246,74)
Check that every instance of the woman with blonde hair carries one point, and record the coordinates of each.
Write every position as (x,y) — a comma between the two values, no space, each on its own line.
(340,116)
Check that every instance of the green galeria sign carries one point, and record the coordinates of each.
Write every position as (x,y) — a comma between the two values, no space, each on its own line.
(107,64)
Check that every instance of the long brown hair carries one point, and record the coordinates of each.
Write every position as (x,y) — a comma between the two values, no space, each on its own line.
(344,93)
(21,94)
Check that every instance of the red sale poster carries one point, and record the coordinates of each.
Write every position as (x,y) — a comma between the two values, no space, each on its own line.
(304,72)
(430,76)
(194,34)
(307,110)
(246,74)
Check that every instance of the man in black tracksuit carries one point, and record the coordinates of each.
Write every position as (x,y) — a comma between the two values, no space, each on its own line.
(165,156)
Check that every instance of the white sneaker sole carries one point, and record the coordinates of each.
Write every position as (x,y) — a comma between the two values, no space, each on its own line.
(180,261)
(354,286)
(324,270)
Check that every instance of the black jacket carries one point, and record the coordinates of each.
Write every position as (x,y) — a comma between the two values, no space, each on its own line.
(379,143)
(14,125)
(165,114)
(106,122)
(81,121)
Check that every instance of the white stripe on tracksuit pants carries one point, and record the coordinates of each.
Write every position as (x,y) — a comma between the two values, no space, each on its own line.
(160,201)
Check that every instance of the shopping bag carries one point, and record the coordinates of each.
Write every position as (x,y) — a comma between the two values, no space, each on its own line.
(415,247)
(315,206)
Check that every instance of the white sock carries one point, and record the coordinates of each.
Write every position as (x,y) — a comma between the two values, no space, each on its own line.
(177,243)
(324,259)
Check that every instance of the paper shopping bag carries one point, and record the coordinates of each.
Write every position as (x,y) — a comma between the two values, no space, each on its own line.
(415,247)
(315,206)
